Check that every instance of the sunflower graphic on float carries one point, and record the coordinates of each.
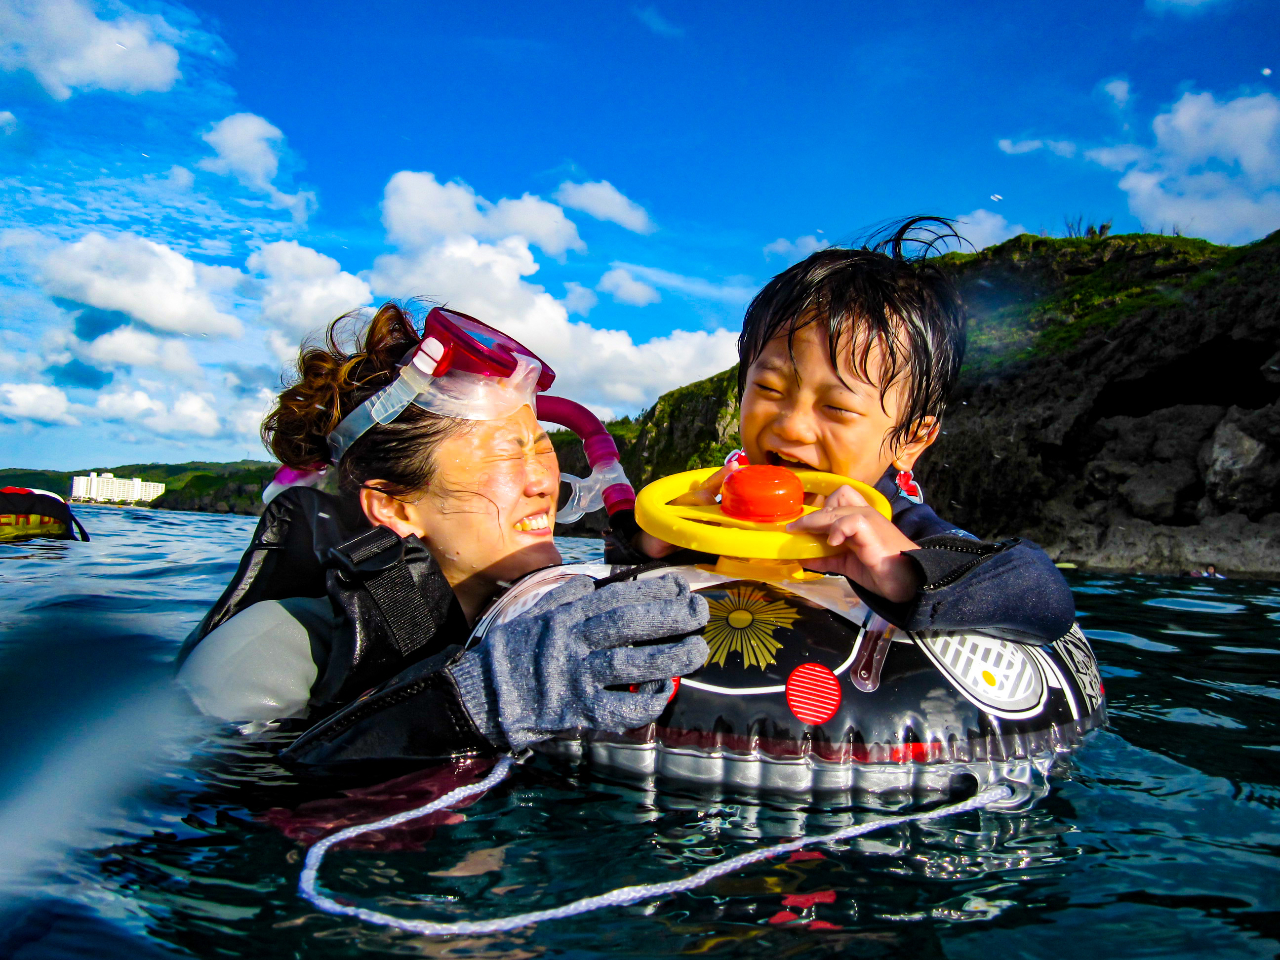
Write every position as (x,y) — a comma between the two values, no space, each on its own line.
(743,621)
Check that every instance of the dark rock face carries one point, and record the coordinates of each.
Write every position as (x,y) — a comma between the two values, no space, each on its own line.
(236,492)
(1148,442)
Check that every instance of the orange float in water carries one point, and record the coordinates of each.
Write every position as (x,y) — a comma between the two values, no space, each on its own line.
(762,493)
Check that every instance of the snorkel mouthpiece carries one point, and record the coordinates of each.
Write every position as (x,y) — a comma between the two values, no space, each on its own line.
(462,369)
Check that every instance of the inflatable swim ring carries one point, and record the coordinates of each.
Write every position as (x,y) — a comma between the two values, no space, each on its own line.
(806,691)
(29,514)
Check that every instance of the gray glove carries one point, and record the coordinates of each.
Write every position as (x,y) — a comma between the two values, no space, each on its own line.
(546,670)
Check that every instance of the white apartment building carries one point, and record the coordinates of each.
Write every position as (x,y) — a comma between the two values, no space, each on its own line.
(108,488)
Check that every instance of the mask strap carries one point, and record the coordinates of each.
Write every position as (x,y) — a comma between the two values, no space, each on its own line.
(381,408)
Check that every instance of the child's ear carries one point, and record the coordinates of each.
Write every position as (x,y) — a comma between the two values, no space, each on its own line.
(384,510)
(921,436)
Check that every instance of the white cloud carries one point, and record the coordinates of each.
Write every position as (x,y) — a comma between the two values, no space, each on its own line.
(245,418)
(796,249)
(1019,146)
(304,290)
(450,249)
(1116,158)
(8,122)
(734,294)
(1214,168)
(627,289)
(418,210)
(191,413)
(541,223)
(35,401)
(982,228)
(1063,148)
(578,299)
(127,405)
(248,149)
(604,368)
(602,200)
(66,47)
(146,280)
(285,349)
(1118,90)
(1180,6)
(659,24)
(178,178)
(129,346)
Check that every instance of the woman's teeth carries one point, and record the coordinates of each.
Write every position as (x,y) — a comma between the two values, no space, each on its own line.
(537,522)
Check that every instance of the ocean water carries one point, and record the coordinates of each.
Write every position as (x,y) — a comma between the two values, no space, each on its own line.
(129,828)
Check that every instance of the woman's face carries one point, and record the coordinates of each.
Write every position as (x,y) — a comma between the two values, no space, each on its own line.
(489,513)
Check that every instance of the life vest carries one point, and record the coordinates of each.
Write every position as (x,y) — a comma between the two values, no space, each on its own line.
(391,605)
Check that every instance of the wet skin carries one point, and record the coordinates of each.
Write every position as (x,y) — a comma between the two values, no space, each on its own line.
(488,515)
(799,412)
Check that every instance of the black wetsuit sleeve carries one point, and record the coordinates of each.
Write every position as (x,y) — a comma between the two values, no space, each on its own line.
(285,558)
(416,717)
(1009,587)
(620,540)
(620,545)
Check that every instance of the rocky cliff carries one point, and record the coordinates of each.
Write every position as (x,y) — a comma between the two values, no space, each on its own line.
(234,491)
(1119,404)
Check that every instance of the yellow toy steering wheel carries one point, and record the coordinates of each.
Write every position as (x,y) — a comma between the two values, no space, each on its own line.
(708,529)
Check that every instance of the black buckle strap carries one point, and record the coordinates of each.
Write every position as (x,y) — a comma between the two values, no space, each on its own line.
(376,561)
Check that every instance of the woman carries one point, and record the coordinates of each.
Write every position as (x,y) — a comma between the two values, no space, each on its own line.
(448,488)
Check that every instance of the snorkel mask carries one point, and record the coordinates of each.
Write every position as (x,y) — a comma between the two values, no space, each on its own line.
(466,369)
(462,368)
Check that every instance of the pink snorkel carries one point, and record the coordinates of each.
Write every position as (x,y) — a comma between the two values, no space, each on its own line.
(608,485)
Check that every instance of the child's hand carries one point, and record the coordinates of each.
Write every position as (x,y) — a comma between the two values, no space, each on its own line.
(704,495)
(874,557)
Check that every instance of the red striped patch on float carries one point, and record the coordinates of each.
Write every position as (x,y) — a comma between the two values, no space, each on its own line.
(813,693)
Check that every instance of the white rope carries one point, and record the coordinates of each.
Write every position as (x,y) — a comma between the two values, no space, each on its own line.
(308,884)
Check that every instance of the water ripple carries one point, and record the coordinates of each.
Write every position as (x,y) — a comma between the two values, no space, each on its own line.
(1159,839)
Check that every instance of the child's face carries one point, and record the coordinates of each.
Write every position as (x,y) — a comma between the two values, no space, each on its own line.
(801,415)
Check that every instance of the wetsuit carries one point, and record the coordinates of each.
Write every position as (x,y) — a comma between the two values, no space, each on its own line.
(1009,587)
(361,644)
(343,629)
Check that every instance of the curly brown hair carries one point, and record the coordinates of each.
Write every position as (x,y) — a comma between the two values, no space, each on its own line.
(332,380)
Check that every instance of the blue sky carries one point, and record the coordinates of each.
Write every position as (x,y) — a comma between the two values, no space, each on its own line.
(187,191)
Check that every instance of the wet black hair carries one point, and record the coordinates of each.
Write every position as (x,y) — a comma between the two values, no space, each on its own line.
(890,290)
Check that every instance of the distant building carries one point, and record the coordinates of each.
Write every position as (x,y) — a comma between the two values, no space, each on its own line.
(108,488)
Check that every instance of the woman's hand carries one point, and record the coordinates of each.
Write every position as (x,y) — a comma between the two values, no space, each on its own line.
(568,661)
(873,556)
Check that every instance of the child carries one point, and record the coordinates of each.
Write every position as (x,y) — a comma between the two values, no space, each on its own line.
(846,360)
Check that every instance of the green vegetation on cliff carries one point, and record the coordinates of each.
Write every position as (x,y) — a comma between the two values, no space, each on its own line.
(689,427)
(235,490)
(1037,296)
(173,475)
